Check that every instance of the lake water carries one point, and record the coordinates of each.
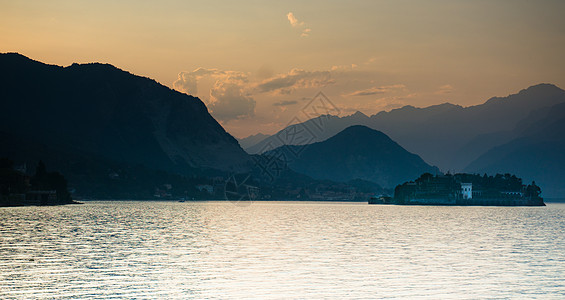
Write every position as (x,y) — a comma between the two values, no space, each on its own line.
(171,250)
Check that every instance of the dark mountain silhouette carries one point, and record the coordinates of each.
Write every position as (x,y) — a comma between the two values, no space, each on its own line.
(535,152)
(357,152)
(311,131)
(101,111)
(446,135)
(115,135)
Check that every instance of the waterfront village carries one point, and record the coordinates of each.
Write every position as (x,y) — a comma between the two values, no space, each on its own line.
(50,188)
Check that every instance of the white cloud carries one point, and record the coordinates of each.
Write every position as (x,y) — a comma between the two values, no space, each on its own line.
(344,68)
(305,32)
(231,95)
(187,82)
(229,99)
(293,21)
(298,24)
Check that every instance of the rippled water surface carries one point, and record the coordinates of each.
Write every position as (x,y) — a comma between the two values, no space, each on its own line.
(281,250)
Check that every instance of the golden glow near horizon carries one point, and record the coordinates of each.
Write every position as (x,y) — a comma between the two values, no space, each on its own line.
(255,63)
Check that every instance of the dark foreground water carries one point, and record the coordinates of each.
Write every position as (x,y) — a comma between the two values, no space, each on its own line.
(168,250)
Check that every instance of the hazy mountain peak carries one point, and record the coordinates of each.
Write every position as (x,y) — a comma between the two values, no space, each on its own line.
(444,106)
(542,87)
(356,152)
(259,134)
(535,93)
(359,130)
(358,115)
(405,108)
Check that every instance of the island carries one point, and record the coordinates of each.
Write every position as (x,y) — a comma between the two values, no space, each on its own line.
(465,190)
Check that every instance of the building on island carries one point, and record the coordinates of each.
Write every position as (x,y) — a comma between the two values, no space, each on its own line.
(467,190)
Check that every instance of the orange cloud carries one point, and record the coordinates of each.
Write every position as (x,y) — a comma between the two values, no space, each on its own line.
(298,24)
(293,21)
(296,78)
(445,89)
(378,90)
(229,99)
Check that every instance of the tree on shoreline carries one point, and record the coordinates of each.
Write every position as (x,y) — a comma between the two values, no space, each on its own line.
(43,180)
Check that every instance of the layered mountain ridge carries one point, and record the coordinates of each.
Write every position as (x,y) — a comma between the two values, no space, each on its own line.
(357,152)
(535,151)
(447,135)
(97,118)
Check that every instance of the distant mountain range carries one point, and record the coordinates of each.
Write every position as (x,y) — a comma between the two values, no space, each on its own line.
(100,110)
(446,135)
(504,134)
(357,152)
(311,131)
(451,136)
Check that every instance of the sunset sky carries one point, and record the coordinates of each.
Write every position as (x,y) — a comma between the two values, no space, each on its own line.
(256,63)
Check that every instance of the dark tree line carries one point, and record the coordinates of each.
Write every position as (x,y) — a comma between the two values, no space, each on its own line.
(43,180)
(448,186)
(11,181)
(15,182)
